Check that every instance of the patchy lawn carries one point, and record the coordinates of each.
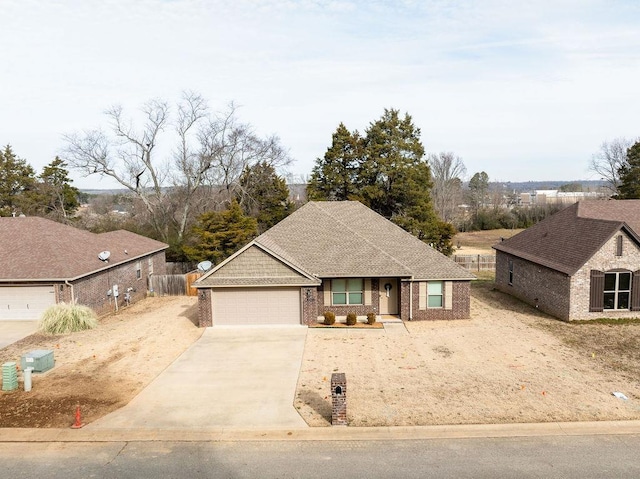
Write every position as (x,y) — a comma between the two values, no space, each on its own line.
(509,363)
(100,369)
(480,242)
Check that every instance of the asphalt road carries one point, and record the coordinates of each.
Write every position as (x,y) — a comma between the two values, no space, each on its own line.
(496,458)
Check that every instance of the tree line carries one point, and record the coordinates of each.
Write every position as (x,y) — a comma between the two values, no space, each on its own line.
(206,183)
(23,192)
(618,164)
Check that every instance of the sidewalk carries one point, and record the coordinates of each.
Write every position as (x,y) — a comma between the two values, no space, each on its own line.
(323,433)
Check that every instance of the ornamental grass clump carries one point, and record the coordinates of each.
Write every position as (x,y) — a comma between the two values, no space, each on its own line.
(329,318)
(351,319)
(63,318)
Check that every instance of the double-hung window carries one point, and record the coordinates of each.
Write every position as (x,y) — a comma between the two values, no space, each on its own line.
(434,294)
(347,291)
(617,290)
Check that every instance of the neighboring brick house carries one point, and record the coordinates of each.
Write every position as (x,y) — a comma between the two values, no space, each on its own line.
(581,263)
(333,256)
(43,262)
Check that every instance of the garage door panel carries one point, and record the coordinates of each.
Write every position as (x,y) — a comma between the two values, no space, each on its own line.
(256,306)
(25,302)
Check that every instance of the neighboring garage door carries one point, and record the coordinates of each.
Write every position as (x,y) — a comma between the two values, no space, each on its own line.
(256,306)
(25,302)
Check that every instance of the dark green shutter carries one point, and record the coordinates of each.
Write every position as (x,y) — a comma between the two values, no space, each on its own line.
(596,297)
(635,291)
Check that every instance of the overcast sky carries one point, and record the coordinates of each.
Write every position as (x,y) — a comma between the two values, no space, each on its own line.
(522,90)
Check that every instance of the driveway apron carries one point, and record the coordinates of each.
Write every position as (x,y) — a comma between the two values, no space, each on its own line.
(235,377)
(13,331)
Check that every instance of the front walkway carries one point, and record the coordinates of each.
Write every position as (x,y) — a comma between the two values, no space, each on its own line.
(232,377)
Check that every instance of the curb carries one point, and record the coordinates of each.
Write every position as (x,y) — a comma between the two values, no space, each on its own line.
(323,433)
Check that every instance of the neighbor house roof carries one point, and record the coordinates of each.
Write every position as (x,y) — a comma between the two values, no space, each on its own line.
(329,239)
(567,239)
(38,249)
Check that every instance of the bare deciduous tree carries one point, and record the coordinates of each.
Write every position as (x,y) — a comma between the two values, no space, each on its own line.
(209,155)
(608,160)
(447,171)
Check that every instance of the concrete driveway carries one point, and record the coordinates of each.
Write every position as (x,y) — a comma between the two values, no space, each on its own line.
(12,331)
(232,377)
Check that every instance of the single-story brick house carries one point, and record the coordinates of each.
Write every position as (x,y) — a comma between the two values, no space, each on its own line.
(335,256)
(581,263)
(43,262)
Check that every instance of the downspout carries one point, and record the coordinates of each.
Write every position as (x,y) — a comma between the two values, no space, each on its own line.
(411,298)
(73,298)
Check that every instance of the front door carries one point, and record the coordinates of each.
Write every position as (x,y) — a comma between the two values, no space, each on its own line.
(388,296)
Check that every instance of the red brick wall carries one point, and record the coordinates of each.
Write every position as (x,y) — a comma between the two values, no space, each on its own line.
(359,309)
(544,288)
(310,300)
(205,313)
(460,306)
(92,290)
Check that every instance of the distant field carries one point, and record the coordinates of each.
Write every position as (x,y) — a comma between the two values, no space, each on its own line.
(480,242)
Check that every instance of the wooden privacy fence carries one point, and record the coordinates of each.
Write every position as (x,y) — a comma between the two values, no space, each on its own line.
(477,262)
(174,284)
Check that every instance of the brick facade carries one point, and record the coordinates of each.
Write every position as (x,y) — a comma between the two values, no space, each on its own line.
(358,309)
(539,286)
(604,260)
(313,305)
(205,312)
(460,308)
(460,303)
(338,399)
(92,290)
(565,297)
(310,299)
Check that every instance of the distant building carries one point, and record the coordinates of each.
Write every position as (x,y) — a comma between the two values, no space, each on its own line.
(547,197)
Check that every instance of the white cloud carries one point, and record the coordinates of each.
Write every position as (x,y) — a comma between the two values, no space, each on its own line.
(520,90)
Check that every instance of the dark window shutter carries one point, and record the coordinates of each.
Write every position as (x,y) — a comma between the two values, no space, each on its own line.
(635,291)
(619,246)
(596,297)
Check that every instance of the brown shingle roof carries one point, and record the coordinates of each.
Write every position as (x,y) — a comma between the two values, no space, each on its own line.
(39,249)
(347,239)
(566,240)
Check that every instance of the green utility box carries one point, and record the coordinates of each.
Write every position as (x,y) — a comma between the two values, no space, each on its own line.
(40,360)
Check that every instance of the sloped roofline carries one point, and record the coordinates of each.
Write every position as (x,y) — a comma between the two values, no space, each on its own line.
(83,275)
(309,276)
(616,227)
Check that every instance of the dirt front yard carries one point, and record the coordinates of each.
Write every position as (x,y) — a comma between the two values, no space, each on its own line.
(101,369)
(509,363)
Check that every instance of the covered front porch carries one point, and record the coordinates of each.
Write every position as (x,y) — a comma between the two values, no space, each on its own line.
(381,296)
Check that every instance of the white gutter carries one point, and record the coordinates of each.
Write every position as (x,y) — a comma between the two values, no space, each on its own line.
(411,298)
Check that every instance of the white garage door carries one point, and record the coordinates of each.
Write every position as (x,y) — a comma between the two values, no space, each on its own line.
(25,302)
(256,306)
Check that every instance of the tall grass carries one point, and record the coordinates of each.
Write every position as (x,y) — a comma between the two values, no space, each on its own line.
(65,318)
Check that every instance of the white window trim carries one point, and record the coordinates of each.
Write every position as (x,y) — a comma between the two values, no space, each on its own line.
(616,291)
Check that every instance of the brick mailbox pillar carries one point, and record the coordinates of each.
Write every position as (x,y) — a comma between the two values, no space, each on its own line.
(338,399)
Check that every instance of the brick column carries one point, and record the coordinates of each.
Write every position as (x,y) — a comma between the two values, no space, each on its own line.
(205,317)
(338,399)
